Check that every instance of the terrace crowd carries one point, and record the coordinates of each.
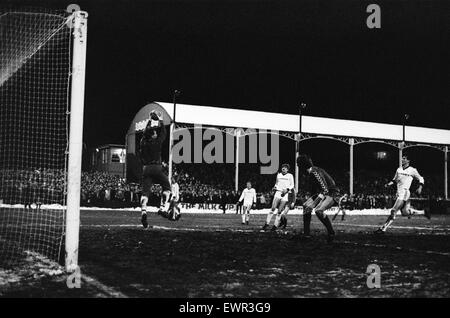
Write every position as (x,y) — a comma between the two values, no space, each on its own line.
(211,187)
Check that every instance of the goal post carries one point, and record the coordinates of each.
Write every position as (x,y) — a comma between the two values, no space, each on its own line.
(42,74)
(75,139)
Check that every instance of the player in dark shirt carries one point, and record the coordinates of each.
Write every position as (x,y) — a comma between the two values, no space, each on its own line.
(324,194)
(150,155)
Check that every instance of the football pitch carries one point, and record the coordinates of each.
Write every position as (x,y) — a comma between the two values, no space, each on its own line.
(214,255)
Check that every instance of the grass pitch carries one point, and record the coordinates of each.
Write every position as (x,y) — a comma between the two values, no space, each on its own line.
(214,255)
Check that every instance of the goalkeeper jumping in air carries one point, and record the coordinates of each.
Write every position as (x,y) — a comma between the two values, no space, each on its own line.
(324,194)
(150,156)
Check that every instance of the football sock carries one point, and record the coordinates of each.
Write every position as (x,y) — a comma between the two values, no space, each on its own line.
(306,223)
(243,218)
(388,223)
(326,221)
(277,220)
(269,217)
(414,211)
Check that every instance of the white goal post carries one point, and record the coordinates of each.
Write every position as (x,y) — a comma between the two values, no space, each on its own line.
(75,139)
(42,78)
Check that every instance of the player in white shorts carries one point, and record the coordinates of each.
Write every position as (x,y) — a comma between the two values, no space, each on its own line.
(173,213)
(284,184)
(403,177)
(281,218)
(249,198)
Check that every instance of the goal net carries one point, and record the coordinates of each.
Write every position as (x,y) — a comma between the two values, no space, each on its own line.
(35,66)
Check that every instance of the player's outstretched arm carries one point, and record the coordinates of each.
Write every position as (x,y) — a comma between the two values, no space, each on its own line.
(421,180)
(291,183)
(241,197)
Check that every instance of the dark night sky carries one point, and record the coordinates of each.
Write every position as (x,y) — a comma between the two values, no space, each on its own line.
(266,55)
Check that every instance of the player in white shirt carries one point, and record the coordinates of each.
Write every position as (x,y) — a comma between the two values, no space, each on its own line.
(249,198)
(403,178)
(284,184)
(174,212)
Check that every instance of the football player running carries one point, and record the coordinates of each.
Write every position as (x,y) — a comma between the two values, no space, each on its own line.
(403,178)
(284,184)
(248,197)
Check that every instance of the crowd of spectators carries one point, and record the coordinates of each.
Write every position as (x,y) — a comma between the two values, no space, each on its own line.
(205,187)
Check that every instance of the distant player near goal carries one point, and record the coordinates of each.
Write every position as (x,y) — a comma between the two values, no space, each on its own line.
(342,202)
(150,155)
(174,210)
(248,197)
(324,194)
(284,184)
(403,178)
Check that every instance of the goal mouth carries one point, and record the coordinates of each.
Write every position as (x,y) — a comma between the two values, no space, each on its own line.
(36,62)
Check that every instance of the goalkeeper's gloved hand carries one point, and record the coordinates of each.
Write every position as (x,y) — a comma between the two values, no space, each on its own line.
(154,116)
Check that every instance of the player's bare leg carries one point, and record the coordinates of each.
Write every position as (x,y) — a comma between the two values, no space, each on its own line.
(409,210)
(244,214)
(165,204)
(397,206)
(283,221)
(308,208)
(289,206)
(144,201)
(406,209)
(278,216)
(335,215)
(275,204)
(326,203)
(307,215)
(343,215)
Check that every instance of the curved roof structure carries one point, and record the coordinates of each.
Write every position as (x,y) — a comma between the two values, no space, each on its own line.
(230,117)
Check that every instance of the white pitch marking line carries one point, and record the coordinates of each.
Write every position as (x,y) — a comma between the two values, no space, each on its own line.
(397,227)
(157,227)
(109,291)
(220,228)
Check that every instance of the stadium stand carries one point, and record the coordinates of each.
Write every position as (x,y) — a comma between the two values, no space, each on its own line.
(210,187)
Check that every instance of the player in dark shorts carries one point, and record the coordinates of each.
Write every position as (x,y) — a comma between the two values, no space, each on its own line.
(324,194)
(150,155)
